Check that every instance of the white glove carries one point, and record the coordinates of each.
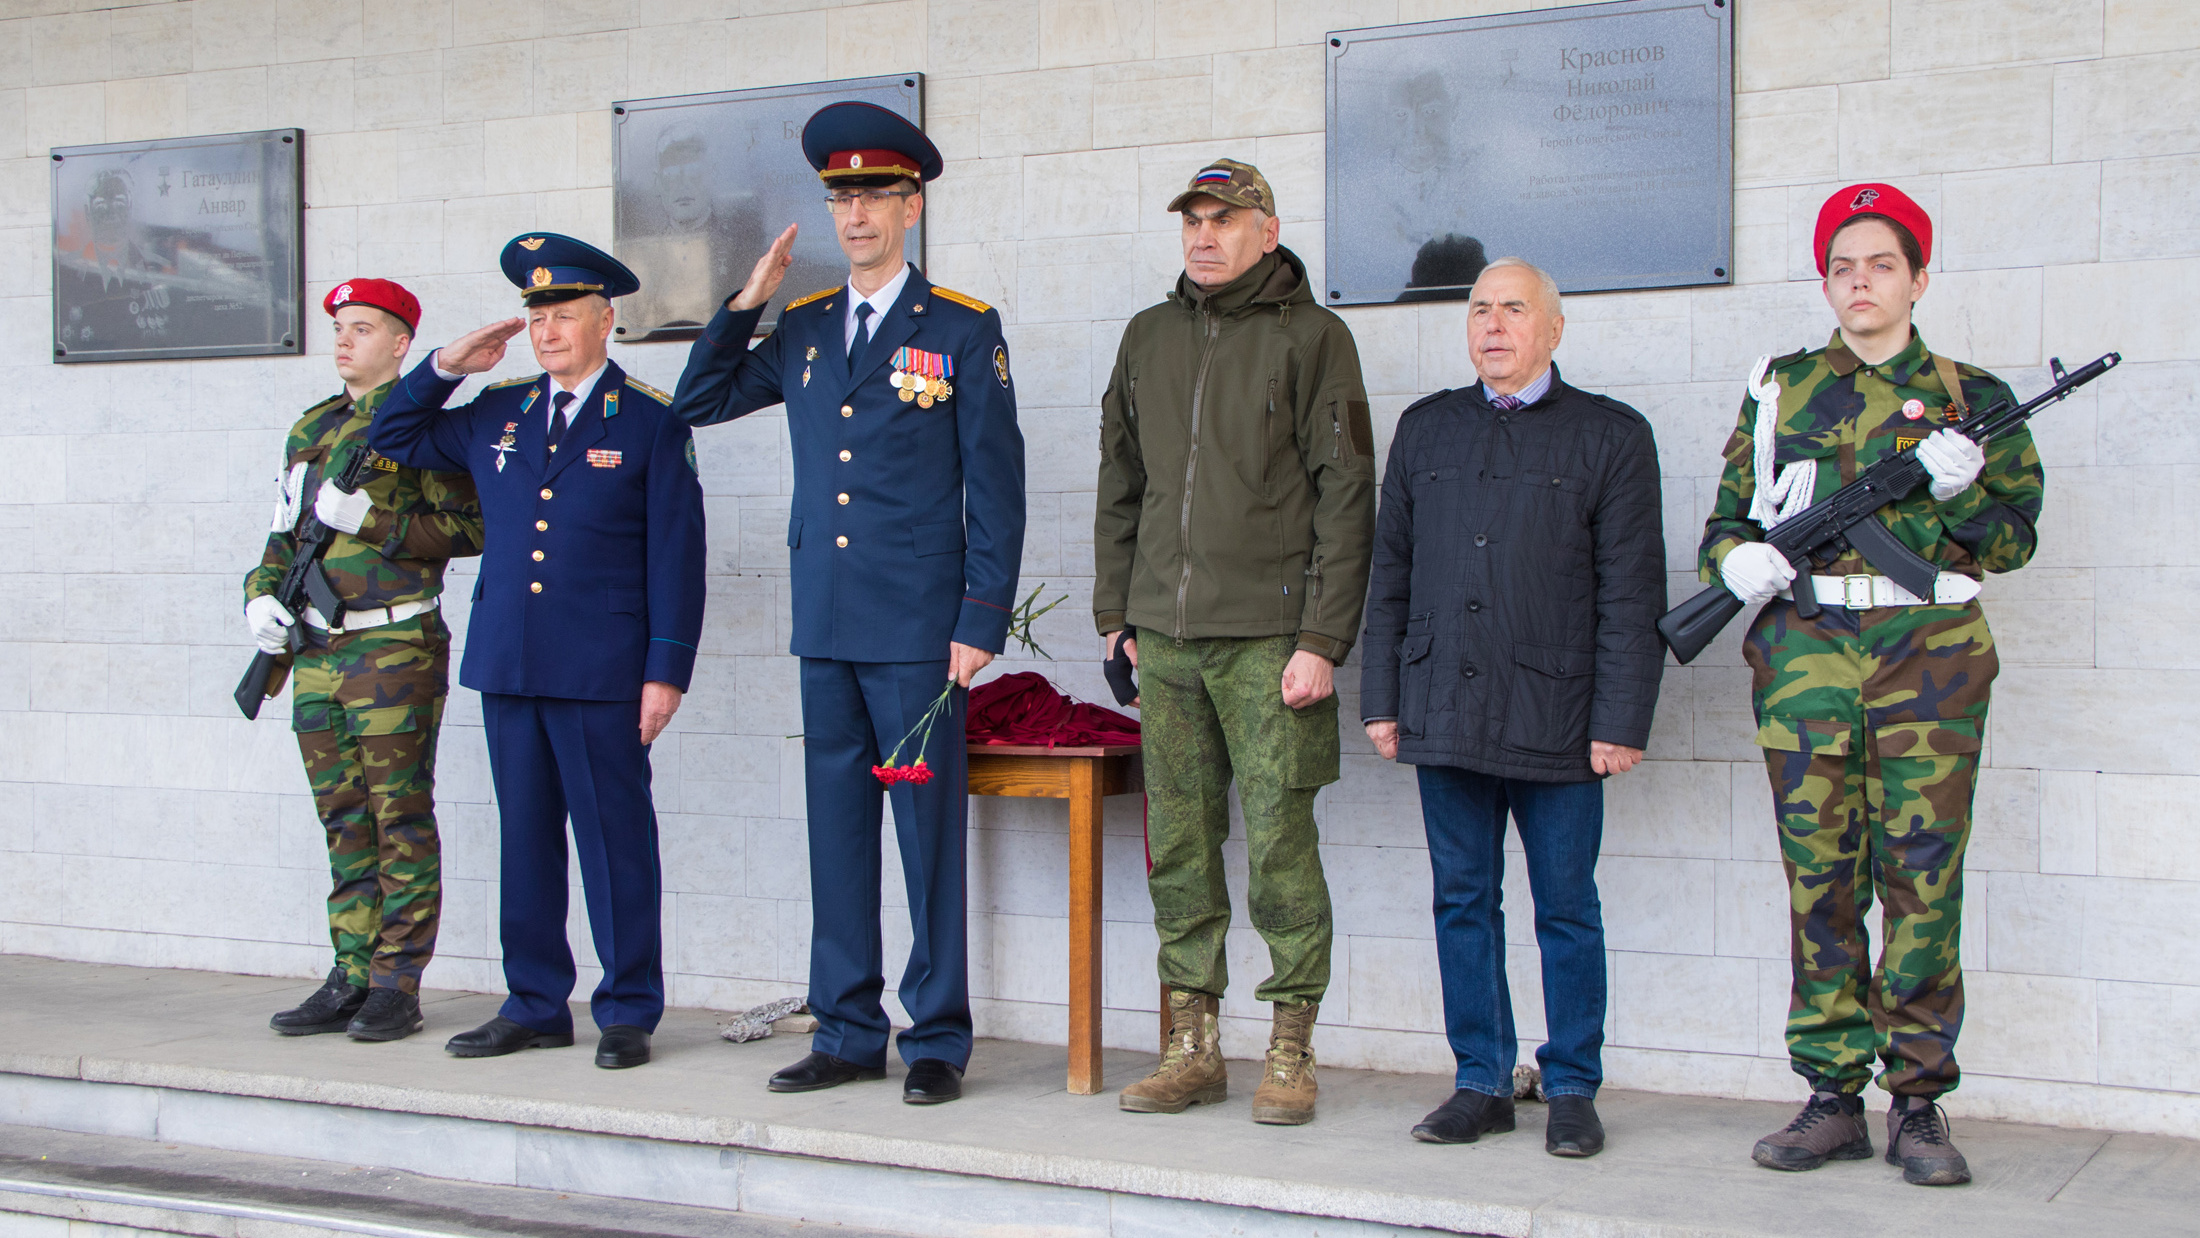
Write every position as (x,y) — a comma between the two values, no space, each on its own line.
(1754,572)
(1953,460)
(269,623)
(343,511)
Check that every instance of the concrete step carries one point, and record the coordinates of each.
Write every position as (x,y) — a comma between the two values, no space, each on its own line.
(50,1179)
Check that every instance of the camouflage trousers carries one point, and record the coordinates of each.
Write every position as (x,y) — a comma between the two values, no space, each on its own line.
(1210,711)
(1871,722)
(366,707)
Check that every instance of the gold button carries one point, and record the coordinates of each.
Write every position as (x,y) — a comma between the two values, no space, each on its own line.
(538,556)
(844,500)
(847,411)
(546,492)
(542,526)
(535,587)
(845,457)
(841,541)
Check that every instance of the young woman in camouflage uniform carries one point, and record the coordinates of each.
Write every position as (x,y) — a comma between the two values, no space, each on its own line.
(1871,715)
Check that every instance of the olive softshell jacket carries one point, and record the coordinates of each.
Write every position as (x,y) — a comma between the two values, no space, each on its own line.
(1237,480)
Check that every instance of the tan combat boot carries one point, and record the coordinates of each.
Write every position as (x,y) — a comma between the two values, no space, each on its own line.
(1191,1071)
(1287,1087)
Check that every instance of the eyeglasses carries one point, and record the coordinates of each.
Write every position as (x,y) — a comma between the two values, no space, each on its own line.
(872,199)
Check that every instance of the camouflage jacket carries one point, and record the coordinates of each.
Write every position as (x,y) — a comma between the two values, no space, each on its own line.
(420,518)
(1837,410)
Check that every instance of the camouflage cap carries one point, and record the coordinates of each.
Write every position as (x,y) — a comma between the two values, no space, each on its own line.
(1227,180)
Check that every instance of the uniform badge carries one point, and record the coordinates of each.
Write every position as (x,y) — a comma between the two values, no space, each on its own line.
(1903,442)
(1000,364)
(691,457)
(922,376)
(539,277)
(506,443)
(811,354)
(603,459)
(1913,409)
(806,373)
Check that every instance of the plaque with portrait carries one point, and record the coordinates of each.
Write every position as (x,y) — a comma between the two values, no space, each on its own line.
(186,247)
(1597,142)
(703,183)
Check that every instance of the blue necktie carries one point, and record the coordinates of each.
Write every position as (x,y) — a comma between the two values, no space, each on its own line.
(558,405)
(862,335)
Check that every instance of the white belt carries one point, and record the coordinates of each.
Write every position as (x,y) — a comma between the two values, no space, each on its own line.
(1864,591)
(372,616)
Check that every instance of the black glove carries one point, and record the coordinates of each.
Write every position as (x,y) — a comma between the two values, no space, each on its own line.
(1117,668)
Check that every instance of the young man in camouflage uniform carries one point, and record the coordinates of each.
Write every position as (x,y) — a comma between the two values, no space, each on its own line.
(1235,519)
(369,683)
(1871,715)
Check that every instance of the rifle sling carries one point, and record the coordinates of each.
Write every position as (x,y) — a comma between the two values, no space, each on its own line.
(1946,369)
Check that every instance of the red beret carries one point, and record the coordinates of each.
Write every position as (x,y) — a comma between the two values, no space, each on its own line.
(382,294)
(1871,199)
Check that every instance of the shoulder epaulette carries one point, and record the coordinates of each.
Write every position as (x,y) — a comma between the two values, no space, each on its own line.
(1792,357)
(960,298)
(331,402)
(819,295)
(651,392)
(511,382)
(1427,399)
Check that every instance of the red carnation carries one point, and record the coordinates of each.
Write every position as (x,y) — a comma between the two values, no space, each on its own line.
(919,773)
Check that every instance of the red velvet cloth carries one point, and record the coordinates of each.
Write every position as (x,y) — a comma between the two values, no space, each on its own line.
(1024,708)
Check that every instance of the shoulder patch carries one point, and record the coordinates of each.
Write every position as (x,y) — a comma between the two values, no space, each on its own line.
(819,295)
(512,382)
(960,298)
(649,391)
(1427,399)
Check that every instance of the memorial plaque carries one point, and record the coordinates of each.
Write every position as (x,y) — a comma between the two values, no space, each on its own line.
(186,247)
(704,182)
(1595,141)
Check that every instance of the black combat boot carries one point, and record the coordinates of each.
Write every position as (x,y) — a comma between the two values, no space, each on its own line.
(330,1009)
(390,1014)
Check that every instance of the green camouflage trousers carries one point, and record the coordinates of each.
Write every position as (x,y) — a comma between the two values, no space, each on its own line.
(1211,710)
(366,709)
(1870,722)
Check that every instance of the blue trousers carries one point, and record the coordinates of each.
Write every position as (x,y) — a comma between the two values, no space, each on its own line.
(853,713)
(1561,826)
(552,758)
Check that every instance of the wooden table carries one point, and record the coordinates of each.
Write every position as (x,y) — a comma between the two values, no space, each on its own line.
(1083,776)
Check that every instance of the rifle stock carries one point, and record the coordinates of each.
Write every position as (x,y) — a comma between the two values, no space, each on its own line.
(1690,626)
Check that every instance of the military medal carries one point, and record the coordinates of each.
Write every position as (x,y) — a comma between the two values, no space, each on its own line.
(506,443)
(924,381)
(1913,409)
(903,382)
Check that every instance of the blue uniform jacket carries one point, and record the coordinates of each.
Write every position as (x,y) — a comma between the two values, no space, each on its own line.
(592,565)
(908,523)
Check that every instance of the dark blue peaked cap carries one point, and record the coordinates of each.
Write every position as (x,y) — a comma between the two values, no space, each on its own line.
(548,268)
(849,140)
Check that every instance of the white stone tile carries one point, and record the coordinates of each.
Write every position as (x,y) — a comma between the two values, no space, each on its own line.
(2143,1038)
(1992,118)
(2146,826)
(1989,318)
(1152,101)
(1661,906)
(488,81)
(2054,1039)
(2068,822)
(2123,108)
(1395,983)
(143,42)
(1084,194)
(1952,34)
(1784,136)
(1263,92)
(1674,809)
(73,1105)
(981,37)
(1075,32)
(2019,217)
(1783,43)
(797,40)
(450,1147)
(2136,27)
(673,1173)
(919,1202)
(63,116)
(580,73)
(410,26)
(1672,1001)
(1752,912)
(2132,723)
(876,39)
(528,154)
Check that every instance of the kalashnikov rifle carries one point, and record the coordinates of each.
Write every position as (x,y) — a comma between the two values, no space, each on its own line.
(1847,520)
(304,583)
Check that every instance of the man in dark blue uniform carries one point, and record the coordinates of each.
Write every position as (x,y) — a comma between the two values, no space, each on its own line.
(907,530)
(583,632)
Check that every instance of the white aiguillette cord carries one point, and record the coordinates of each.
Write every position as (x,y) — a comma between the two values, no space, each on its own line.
(1789,493)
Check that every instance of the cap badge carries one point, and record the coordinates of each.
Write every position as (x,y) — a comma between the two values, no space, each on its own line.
(531,244)
(1864,198)
(344,293)
(1913,409)
(855,161)
(1210,175)
(538,277)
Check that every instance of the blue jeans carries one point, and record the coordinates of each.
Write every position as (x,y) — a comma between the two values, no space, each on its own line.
(1561,826)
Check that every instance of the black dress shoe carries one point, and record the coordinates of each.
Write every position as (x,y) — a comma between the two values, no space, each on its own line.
(500,1036)
(622,1046)
(1573,1128)
(330,1009)
(1466,1117)
(822,1070)
(388,1015)
(932,1081)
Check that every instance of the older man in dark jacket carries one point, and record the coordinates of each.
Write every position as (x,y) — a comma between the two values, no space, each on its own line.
(1519,568)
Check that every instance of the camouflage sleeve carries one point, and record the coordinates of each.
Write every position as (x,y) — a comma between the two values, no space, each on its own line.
(1996,518)
(274,561)
(1729,524)
(446,525)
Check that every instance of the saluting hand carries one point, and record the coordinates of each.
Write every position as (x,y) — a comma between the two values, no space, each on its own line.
(770,269)
(479,350)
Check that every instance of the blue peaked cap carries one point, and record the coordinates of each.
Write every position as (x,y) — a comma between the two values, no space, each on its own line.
(547,267)
(852,127)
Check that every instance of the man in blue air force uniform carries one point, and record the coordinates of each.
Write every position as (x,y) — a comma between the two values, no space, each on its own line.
(583,632)
(907,530)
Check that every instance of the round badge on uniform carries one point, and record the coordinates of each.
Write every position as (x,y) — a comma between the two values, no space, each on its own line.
(1913,409)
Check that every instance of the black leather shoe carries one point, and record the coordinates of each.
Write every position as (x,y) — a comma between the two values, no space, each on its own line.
(500,1036)
(1573,1128)
(1466,1117)
(388,1015)
(622,1046)
(932,1081)
(822,1070)
(330,1009)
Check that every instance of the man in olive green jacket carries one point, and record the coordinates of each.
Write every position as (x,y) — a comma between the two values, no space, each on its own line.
(1235,519)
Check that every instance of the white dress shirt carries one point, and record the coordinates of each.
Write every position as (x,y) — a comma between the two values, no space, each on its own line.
(880,302)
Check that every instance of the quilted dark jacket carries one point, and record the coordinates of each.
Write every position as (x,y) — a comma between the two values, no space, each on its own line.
(1519,570)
